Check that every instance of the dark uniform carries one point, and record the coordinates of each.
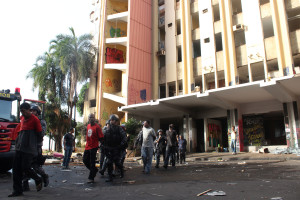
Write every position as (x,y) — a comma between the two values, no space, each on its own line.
(114,145)
(160,149)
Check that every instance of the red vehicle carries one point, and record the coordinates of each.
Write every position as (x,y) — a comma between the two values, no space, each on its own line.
(9,119)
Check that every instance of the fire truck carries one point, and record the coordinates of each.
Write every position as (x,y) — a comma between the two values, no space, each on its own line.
(9,119)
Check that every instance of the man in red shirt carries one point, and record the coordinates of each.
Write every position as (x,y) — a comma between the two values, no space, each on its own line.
(30,134)
(93,136)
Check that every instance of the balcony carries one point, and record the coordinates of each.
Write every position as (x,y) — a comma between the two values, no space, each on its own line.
(115,97)
(116,66)
(178,40)
(194,7)
(118,17)
(117,41)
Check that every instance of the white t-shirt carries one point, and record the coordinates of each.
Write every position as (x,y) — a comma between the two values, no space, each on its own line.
(233,137)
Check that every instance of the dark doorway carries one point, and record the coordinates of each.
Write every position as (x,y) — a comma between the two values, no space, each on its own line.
(274,128)
(200,135)
(224,129)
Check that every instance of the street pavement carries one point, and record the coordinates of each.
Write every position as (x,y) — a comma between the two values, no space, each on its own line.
(242,176)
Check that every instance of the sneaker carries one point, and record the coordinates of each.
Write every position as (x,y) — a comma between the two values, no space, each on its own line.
(90,181)
(15,194)
(39,185)
(101,172)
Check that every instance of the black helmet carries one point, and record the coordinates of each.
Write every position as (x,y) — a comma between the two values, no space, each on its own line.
(114,117)
(36,108)
(160,130)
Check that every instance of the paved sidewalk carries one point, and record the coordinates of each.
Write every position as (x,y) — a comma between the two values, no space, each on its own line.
(239,156)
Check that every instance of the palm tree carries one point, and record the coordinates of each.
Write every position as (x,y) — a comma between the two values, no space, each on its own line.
(49,78)
(77,57)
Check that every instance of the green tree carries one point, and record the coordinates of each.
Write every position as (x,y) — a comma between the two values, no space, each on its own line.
(81,98)
(132,127)
(77,57)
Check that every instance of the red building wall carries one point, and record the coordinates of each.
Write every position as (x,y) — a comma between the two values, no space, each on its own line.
(139,60)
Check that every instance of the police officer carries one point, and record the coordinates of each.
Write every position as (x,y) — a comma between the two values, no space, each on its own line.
(39,160)
(171,146)
(114,145)
(160,144)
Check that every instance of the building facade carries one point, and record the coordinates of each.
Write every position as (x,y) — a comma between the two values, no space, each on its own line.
(203,65)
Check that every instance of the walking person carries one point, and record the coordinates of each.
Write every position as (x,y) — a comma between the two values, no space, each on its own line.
(30,134)
(232,133)
(93,136)
(68,147)
(182,148)
(160,144)
(171,146)
(147,146)
(114,143)
(39,160)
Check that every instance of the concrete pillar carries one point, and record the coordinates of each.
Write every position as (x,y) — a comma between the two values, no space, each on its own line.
(155,58)
(291,121)
(230,67)
(156,124)
(206,143)
(282,38)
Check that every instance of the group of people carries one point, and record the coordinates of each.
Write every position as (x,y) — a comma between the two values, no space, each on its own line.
(112,141)
(113,144)
(170,145)
(28,159)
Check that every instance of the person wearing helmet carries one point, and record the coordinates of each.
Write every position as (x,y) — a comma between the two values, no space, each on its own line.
(114,143)
(103,159)
(160,144)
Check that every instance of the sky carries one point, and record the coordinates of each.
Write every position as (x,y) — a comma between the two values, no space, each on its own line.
(27,27)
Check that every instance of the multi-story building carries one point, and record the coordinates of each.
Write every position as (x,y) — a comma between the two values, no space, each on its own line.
(204,65)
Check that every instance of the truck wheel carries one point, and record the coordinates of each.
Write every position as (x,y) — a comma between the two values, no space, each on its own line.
(5,165)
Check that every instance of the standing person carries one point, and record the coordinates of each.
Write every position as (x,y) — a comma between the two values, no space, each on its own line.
(39,160)
(182,148)
(30,134)
(114,144)
(171,146)
(93,136)
(232,132)
(160,143)
(68,147)
(147,145)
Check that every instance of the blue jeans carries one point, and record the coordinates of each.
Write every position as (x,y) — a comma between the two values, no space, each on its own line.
(68,153)
(147,154)
(233,145)
(170,153)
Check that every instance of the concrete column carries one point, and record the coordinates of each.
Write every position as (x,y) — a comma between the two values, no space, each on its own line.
(282,38)
(156,124)
(183,50)
(225,44)
(189,45)
(206,143)
(155,58)
(291,121)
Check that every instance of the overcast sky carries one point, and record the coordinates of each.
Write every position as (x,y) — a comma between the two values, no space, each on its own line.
(27,27)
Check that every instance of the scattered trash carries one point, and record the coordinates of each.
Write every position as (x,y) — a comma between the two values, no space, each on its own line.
(79,183)
(129,182)
(202,193)
(242,170)
(66,170)
(64,181)
(198,170)
(57,155)
(242,163)
(276,198)
(159,195)
(87,189)
(216,193)
(220,159)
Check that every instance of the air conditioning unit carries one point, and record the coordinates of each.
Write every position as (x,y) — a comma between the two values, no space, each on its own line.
(161,52)
(238,27)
